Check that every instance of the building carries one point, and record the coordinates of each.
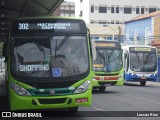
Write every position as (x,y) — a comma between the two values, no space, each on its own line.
(106,32)
(144,29)
(66,9)
(113,11)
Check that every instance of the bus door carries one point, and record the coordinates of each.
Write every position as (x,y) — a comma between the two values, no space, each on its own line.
(126,63)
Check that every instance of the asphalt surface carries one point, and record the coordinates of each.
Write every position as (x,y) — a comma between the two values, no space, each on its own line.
(130,97)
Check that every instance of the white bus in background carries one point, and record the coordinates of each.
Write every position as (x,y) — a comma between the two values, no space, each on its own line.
(140,63)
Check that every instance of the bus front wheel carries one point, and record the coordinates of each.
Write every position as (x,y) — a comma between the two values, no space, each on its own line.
(143,83)
(73,109)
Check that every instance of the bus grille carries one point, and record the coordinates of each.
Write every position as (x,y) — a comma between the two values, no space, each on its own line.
(52,101)
(44,84)
(112,83)
(56,93)
(107,74)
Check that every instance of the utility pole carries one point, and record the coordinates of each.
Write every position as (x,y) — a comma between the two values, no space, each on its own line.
(119,32)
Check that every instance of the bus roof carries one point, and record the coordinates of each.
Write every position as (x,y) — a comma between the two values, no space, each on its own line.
(111,41)
(49,17)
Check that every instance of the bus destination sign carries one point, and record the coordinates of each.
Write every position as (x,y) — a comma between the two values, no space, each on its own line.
(142,49)
(48,26)
(104,44)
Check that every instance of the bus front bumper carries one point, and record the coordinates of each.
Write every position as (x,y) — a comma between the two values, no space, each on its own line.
(139,78)
(30,102)
(107,83)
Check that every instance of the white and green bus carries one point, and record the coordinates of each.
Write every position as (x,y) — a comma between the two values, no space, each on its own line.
(107,68)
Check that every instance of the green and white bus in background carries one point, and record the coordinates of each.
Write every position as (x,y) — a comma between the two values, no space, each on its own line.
(49,64)
(107,68)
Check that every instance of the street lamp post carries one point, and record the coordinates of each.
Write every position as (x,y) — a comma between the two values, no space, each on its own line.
(120,32)
(119,29)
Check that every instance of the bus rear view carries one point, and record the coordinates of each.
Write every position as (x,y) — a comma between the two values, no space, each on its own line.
(49,64)
(140,64)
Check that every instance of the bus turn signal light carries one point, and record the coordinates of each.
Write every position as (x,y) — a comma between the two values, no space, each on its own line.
(81,100)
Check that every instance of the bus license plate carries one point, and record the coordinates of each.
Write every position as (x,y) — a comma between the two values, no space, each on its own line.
(143,78)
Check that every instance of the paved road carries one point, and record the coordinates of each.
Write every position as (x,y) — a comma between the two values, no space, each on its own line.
(130,97)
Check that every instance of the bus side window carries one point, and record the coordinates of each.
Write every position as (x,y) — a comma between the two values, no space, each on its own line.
(126,61)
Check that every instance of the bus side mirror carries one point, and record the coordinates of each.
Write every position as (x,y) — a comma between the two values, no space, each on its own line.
(94,56)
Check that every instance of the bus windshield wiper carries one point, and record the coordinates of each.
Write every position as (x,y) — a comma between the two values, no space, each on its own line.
(115,58)
(39,47)
(57,47)
(101,55)
(62,42)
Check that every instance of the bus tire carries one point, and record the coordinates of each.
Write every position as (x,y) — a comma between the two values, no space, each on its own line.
(143,83)
(73,109)
(102,89)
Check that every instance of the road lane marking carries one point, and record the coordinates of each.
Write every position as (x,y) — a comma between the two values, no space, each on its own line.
(96,108)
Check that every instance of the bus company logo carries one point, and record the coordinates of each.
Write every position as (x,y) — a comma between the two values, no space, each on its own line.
(6,114)
(52,92)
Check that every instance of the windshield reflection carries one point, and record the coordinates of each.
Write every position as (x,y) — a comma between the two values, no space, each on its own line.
(71,56)
(143,61)
(58,56)
(108,60)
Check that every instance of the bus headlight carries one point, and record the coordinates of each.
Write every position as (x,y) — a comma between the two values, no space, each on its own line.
(19,90)
(153,74)
(121,76)
(82,88)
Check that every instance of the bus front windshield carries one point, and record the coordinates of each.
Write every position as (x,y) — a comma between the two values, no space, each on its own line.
(108,60)
(49,57)
(143,61)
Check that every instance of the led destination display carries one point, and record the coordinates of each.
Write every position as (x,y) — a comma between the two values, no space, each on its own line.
(55,25)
